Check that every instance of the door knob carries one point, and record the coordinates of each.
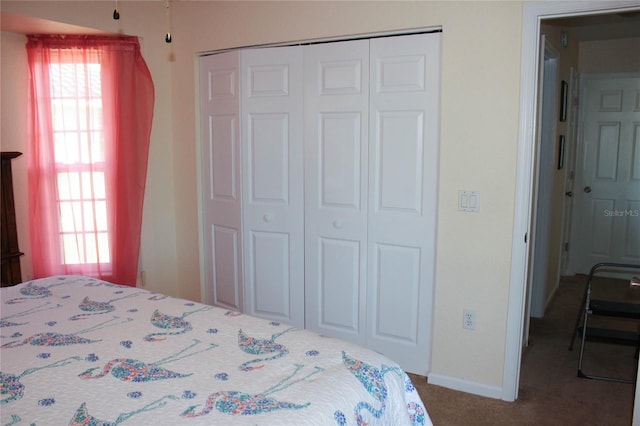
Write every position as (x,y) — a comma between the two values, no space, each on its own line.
(267,218)
(569,193)
(587,189)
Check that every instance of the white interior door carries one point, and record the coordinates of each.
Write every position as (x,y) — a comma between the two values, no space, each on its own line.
(403,171)
(570,165)
(273,191)
(606,225)
(220,168)
(546,167)
(336,168)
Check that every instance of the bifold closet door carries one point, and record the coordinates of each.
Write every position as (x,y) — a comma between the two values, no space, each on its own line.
(220,179)
(403,163)
(319,188)
(273,190)
(336,167)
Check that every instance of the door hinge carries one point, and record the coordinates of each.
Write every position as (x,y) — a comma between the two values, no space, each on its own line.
(525,237)
(566,246)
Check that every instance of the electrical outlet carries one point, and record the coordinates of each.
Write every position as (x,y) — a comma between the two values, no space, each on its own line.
(469,319)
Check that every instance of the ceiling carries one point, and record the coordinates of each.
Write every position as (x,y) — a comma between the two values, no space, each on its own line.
(584,28)
(29,25)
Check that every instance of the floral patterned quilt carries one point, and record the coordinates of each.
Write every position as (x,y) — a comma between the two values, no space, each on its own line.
(80,351)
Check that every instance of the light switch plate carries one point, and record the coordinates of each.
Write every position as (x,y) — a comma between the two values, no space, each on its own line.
(468,201)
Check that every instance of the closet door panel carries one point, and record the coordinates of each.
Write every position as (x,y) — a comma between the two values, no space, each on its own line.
(336,157)
(220,177)
(399,184)
(273,191)
(269,257)
(339,288)
(225,266)
(268,155)
(396,289)
(404,100)
(223,146)
(339,145)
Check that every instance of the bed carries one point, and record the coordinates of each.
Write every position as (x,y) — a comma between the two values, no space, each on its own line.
(77,350)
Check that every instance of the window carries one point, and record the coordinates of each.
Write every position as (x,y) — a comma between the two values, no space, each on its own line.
(76,108)
(91,102)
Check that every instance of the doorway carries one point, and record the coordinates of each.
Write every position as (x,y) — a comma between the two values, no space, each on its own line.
(601,228)
(533,14)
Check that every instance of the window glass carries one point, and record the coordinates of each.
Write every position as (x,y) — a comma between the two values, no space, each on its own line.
(79,152)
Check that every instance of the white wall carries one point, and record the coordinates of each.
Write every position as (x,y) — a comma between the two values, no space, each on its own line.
(610,56)
(479,129)
(13,119)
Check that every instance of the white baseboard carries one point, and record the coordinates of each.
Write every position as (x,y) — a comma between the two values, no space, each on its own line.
(465,386)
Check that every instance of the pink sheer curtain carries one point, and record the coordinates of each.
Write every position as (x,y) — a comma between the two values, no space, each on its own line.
(88,151)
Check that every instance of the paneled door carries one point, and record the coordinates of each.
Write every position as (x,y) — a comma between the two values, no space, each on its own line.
(403,171)
(220,179)
(273,190)
(336,178)
(606,226)
(319,170)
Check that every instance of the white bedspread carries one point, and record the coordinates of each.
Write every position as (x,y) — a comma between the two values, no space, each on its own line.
(76,350)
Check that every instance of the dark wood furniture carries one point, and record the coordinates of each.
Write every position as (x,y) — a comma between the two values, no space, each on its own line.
(10,269)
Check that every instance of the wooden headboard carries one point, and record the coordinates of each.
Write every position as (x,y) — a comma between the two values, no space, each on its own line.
(10,268)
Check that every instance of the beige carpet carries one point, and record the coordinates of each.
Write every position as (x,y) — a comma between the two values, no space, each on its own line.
(550,391)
